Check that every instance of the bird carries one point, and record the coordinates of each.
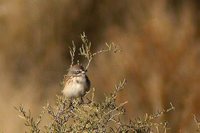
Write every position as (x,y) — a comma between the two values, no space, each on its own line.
(76,82)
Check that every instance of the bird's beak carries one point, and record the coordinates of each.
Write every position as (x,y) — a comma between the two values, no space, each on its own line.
(83,72)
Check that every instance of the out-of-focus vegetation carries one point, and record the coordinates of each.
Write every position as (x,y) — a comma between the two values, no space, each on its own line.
(160,54)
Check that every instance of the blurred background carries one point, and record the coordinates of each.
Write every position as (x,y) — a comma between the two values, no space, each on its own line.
(160,58)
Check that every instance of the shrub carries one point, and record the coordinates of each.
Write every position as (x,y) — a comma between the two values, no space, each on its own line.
(68,115)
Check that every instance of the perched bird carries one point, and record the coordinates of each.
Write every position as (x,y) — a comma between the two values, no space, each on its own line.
(76,82)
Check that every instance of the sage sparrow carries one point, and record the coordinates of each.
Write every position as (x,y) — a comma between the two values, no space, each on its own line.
(76,82)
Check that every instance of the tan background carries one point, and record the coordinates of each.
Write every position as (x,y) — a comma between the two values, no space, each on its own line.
(160,54)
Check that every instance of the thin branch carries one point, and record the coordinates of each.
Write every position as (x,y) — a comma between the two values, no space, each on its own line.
(121,85)
(72,53)
(197,122)
(121,105)
(85,49)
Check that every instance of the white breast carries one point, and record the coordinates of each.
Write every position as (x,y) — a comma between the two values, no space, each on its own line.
(75,88)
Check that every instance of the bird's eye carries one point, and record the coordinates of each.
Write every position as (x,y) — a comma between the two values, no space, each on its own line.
(78,71)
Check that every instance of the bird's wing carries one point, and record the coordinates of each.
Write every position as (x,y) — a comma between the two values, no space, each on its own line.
(65,80)
(89,84)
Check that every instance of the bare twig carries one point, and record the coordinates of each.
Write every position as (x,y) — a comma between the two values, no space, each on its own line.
(72,53)
(85,49)
(120,85)
(29,121)
(121,105)
(197,122)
